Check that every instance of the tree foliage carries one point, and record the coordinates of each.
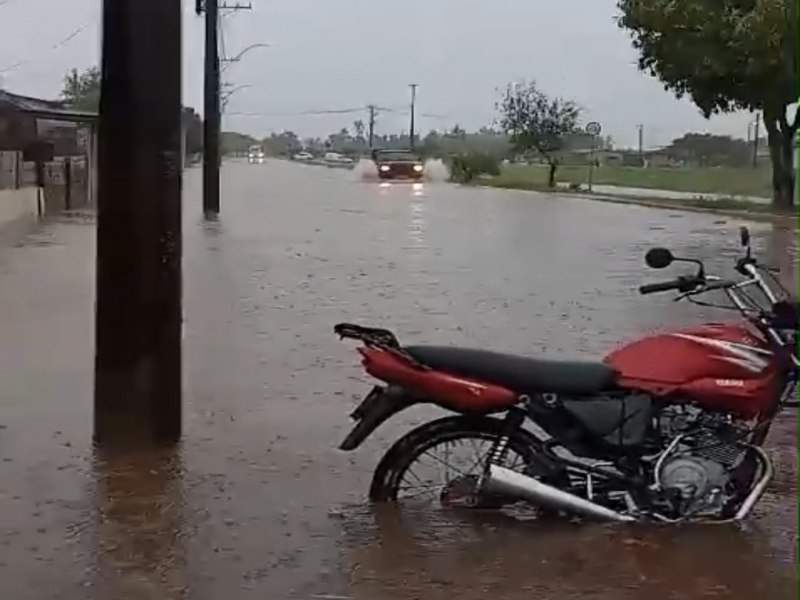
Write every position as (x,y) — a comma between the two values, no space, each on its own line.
(726,55)
(466,166)
(535,121)
(81,89)
(232,142)
(284,144)
(709,150)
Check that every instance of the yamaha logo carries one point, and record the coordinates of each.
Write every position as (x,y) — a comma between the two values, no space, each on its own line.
(728,383)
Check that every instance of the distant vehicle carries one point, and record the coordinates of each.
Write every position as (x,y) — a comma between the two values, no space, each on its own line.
(337,158)
(255,155)
(303,156)
(398,164)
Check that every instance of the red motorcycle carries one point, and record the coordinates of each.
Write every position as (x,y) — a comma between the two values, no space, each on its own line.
(667,428)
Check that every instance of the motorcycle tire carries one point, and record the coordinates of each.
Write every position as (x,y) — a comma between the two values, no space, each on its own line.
(404,453)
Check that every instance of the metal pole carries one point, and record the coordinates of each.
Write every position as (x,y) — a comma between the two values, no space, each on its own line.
(139,239)
(213,118)
(413,87)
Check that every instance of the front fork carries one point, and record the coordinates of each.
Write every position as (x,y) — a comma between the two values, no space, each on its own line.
(782,401)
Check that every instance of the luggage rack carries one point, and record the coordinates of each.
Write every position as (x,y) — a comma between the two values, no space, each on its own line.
(374,337)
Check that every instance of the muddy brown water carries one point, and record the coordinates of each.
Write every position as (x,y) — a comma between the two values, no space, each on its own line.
(257,502)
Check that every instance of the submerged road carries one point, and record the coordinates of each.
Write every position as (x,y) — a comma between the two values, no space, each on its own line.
(257,502)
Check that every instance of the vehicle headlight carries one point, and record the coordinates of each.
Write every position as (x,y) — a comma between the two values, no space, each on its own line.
(384,168)
(418,168)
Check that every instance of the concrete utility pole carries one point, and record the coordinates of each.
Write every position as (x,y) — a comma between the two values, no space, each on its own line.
(641,139)
(212,123)
(212,113)
(139,238)
(371,127)
(413,87)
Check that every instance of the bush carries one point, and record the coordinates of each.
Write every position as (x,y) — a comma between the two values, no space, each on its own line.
(467,166)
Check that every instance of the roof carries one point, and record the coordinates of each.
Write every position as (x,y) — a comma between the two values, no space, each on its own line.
(45,109)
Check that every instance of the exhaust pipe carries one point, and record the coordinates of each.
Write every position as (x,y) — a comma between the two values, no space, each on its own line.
(500,480)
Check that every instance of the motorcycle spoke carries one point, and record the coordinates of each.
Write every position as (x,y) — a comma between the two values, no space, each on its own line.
(470,455)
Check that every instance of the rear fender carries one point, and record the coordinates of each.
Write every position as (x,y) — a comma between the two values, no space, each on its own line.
(379,406)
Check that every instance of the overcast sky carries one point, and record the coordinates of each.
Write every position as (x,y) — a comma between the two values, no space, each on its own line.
(342,54)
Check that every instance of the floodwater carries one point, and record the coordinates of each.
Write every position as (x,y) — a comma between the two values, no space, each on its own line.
(257,502)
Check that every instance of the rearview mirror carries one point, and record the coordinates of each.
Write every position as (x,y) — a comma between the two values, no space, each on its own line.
(744,236)
(658,258)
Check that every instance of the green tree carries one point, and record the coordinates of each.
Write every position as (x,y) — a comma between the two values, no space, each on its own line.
(708,150)
(81,89)
(726,55)
(232,142)
(536,122)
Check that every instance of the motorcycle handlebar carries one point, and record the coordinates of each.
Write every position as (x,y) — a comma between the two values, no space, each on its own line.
(682,284)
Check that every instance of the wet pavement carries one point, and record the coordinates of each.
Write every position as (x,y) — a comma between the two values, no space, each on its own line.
(257,502)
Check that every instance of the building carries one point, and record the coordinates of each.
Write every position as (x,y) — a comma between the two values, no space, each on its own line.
(25,120)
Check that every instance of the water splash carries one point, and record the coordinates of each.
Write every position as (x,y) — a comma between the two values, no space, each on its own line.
(365,170)
(436,171)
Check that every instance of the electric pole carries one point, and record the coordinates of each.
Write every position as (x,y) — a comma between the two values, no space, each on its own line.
(212,109)
(371,127)
(755,140)
(212,121)
(641,139)
(138,314)
(413,87)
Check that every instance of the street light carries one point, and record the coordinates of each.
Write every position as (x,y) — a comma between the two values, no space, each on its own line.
(239,56)
(226,95)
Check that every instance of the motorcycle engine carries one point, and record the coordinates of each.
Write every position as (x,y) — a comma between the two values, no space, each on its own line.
(697,475)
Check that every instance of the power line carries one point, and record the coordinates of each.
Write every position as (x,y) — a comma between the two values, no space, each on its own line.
(318,112)
(59,44)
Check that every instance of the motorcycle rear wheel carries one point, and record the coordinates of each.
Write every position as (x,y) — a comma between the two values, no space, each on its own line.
(389,474)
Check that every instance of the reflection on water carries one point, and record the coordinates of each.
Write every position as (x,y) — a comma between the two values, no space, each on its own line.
(139,530)
(416,227)
(428,555)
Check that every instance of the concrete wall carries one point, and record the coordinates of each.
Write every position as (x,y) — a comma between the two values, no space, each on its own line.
(19,210)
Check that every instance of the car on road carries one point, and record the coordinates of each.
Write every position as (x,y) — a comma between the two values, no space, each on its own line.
(255,155)
(337,159)
(398,164)
(301,156)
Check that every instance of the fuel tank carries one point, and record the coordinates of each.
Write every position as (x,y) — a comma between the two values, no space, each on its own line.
(721,366)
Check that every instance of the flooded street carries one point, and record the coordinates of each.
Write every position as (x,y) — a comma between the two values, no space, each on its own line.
(258,502)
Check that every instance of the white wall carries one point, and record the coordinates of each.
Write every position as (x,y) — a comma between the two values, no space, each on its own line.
(19,210)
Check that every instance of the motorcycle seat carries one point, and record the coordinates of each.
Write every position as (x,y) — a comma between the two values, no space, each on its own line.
(519,373)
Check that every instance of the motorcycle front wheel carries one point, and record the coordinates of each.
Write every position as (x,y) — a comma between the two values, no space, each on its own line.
(398,478)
